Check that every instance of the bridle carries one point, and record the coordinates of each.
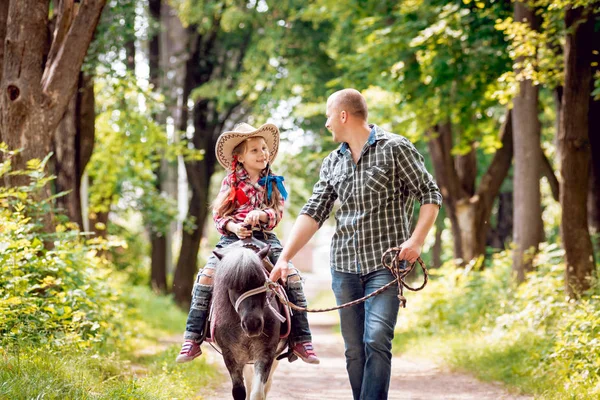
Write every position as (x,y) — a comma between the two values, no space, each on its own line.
(269,287)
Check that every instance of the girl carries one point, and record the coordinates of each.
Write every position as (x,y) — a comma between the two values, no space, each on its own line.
(250,195)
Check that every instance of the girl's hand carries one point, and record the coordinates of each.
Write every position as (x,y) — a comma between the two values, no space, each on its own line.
(239,230)
(253,217)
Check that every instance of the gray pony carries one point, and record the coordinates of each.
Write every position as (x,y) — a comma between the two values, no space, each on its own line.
(252,333)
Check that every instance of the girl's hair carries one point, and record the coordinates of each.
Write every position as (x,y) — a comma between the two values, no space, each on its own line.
(224,206)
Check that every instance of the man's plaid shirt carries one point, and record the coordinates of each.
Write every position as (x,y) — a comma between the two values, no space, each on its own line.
(376,199)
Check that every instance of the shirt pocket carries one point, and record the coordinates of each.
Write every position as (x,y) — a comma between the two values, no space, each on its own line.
(377,179)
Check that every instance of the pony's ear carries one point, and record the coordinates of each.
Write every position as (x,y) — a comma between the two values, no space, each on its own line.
(219,253)
(264,251)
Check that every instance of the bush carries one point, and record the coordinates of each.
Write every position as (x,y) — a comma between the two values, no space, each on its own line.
(53,289)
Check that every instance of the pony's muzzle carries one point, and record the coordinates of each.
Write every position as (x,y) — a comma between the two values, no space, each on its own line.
(253,326)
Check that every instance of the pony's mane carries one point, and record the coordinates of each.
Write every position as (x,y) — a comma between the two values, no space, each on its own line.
(240,269)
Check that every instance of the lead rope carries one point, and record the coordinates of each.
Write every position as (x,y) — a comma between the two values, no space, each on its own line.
(395,268)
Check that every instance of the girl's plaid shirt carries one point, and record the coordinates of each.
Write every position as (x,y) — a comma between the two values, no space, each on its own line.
(256,201)
(376,199)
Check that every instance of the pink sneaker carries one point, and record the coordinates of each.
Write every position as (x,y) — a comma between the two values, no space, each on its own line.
(306,352)
(189,350)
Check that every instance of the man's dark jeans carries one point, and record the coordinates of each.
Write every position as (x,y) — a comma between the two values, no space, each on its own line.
(368,330)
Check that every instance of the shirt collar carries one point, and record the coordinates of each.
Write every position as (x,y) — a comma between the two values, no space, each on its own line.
(242,174)
(375,135)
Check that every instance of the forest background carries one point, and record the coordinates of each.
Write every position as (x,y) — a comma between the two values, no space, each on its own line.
(109,113)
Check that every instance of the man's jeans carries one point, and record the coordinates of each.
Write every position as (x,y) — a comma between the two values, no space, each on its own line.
(368,330)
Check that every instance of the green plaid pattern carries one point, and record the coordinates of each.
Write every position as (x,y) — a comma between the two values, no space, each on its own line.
(376,199)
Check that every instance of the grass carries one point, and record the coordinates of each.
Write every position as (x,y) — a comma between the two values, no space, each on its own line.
(509,362)
(112,371)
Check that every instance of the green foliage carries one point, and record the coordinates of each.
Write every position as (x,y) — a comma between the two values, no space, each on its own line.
(116,29)
(130,253)
(129,149)
(528,336)
(70,326)
(116,371)
(54,294)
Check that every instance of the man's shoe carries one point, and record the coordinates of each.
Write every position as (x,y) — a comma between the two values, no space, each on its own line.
(306,353)
(189,350)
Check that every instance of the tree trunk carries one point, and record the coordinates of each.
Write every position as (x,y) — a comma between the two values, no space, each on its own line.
(23,124)
(158,242)
(207,124)
(548,173)
(199,174)
(527,197)
(574,146)
(65,167)
(466,167)
(183,278)
(173,56)
(436,250)
(469,214)
(73,145)
(35,91)
(3,26)
(501,233)
(594,136)
(130,55)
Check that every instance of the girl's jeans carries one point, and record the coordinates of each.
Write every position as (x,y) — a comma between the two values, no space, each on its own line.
(202,294)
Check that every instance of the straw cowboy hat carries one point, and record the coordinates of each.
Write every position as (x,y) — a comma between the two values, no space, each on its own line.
(228,140)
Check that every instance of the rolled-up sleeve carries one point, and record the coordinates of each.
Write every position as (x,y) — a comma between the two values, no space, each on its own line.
(221,222)
(413,172)
(320,204)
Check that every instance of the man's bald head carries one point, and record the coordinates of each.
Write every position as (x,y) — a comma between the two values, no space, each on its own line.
(351,101)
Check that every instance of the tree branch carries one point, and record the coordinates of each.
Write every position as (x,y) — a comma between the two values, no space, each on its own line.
(548,172)
(60,77)
(440,147)
(66,14)
(496,172)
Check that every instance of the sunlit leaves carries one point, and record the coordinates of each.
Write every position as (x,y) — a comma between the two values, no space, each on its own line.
(129,149)
(55,296)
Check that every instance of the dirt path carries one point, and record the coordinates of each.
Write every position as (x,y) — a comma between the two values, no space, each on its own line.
(411,378)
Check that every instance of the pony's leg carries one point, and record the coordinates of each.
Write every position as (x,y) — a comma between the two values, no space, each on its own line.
(270,379)
(262,371)
(248,377)
(236,372)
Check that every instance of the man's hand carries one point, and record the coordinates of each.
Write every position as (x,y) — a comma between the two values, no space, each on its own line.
(253,217)
(411,250)
(239,230)
(280,270)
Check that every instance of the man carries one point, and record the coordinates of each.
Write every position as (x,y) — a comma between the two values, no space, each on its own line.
(376,175)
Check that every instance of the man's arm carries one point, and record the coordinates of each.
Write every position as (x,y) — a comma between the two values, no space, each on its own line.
(411,249)
(304,228)
(312,216)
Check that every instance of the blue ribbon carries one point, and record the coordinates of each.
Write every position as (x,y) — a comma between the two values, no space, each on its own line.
(278,180)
